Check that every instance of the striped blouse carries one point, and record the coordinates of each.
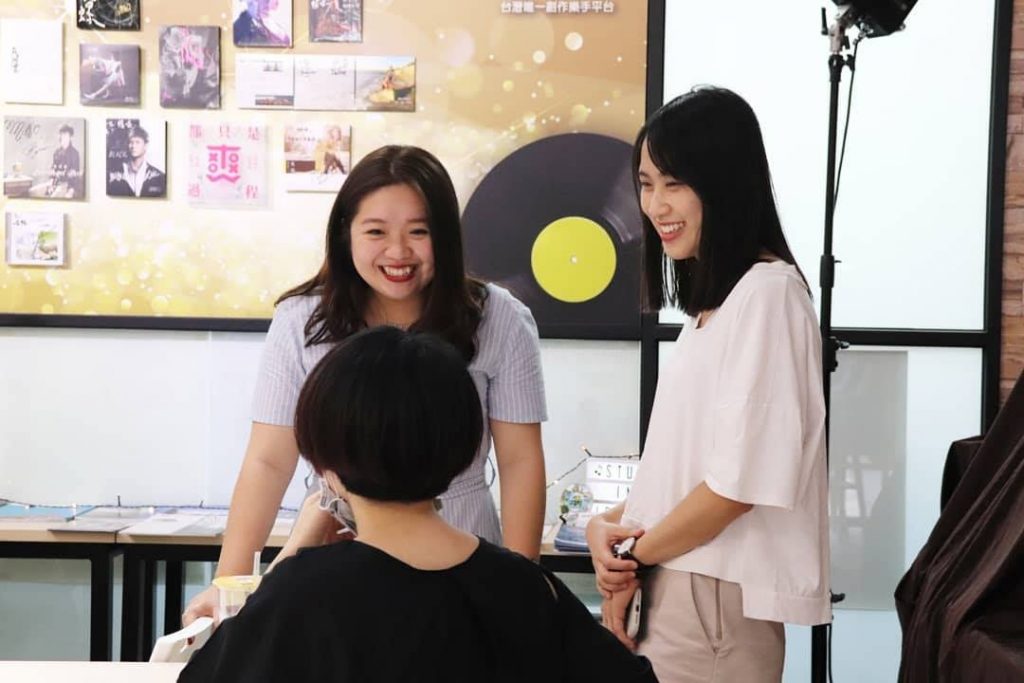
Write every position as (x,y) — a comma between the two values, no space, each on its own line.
(506,371)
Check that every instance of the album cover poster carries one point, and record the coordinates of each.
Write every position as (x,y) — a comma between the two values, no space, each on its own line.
(227,166)
(136,158)
(336,21)
(32,59)
(385,83)
(108,15)
(44,157)
(108,74)
(262,23)
(34,238)
(264,80)
(326,82)
(190,67)
(317,157)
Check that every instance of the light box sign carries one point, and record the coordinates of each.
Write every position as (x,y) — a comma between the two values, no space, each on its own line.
(610,479)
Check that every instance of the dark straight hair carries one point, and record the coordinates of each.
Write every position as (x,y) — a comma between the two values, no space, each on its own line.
(710,140)
(394,414)
(453,303)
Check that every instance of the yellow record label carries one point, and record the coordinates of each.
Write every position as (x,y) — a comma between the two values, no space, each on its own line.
(573,259)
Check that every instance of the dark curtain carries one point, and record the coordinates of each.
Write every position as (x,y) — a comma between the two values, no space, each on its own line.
(961,604)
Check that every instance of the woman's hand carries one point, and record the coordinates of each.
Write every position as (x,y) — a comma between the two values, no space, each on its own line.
(313,527)
(203,605)
(613,612)
(613,574)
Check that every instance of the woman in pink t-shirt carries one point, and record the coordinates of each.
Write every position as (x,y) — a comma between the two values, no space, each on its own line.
(729,507)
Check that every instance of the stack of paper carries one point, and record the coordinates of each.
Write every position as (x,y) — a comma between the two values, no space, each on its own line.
(181,523)
(16,512)
(105,520)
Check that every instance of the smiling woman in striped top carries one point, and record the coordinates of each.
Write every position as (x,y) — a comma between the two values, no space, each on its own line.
(394,257)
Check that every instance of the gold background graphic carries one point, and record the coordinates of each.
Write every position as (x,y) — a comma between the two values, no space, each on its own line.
(488,83)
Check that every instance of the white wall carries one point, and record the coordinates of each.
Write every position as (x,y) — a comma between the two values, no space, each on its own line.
(160,417)
(911,212)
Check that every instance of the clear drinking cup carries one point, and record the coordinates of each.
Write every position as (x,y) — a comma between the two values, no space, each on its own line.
(233,592)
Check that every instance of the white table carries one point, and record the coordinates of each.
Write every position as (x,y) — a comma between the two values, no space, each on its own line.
(89,672)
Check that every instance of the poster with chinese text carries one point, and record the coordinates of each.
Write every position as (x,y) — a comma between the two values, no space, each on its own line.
(336,21)
(317,157)
(190,67)
(227,166)
(44,157)
(32,60)
(264,80)
(325,82)
(108,15)
(34,238)
(136,158)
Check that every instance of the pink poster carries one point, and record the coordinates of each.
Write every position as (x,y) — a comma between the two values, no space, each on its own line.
(227,166)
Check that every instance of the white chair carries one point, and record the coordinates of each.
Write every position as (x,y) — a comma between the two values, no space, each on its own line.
(179,646)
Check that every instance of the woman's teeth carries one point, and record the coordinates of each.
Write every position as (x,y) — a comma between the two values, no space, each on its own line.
(397,272)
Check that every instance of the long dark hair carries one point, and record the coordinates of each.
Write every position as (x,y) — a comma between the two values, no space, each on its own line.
(453,303)
(709,139)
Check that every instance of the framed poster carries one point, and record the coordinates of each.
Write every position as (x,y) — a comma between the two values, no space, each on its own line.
(34,238)
(44,157)
(227,166)
(217,186)
(317,157)
(189,67)
(262,23)
(32,62)
(108,15)
(136,158)
(336,21)
(109,75)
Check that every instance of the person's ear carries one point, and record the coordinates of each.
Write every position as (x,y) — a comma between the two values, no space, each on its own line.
(335,484)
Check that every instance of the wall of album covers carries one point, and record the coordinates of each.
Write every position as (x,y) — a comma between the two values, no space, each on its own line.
(179,158)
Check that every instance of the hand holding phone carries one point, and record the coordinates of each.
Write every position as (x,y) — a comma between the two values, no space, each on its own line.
(634,610)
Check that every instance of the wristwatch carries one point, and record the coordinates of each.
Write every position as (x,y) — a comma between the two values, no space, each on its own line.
(624,551)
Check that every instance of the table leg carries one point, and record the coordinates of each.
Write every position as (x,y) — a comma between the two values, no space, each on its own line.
(131,609)
(148,600)
(174,599)
(101,605)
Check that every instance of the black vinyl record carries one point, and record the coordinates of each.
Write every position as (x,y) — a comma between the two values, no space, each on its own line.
(580,176)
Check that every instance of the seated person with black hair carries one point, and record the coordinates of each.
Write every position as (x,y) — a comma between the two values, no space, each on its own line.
(389,418)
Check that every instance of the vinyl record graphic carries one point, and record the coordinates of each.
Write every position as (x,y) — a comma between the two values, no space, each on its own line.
(557,223)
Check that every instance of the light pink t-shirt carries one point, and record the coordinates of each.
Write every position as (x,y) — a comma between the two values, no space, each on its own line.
(740,407)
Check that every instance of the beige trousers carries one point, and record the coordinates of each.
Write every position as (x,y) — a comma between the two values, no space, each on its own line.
(695,631)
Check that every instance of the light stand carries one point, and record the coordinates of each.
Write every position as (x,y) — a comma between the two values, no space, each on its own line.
(873,18)
(820,650)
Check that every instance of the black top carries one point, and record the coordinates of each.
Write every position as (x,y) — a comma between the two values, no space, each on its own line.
(351,612)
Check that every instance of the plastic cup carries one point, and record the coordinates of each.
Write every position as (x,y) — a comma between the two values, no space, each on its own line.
(233,592)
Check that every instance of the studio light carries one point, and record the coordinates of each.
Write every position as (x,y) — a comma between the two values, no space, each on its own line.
(877,18)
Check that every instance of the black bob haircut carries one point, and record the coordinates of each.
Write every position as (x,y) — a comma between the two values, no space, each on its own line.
(394,414)
(709,139)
